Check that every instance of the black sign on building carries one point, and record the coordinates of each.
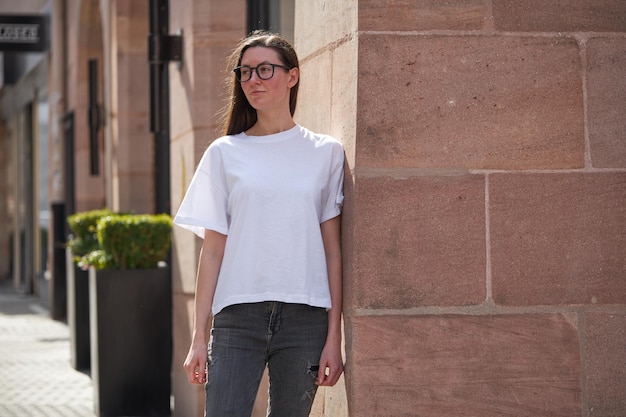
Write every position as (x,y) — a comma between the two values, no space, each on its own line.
(24,33)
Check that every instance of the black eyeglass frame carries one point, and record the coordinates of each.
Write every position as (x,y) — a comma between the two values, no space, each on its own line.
(237,71)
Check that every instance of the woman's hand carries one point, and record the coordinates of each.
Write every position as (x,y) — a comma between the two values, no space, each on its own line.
(195,364)
(331,365)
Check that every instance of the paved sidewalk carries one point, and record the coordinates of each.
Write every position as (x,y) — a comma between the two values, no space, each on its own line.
(36,377)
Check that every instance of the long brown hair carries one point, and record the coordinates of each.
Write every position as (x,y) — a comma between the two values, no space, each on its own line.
(239,115)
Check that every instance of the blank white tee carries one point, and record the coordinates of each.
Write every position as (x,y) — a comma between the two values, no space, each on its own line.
(269,194)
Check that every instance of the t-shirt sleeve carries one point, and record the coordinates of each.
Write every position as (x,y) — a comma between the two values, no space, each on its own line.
(205,204)
(334,201)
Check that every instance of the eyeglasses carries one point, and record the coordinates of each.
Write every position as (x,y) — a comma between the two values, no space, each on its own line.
(263,71)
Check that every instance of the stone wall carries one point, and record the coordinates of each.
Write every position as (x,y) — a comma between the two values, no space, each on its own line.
(114,34)
(83,41)
(131,142)
(485,212)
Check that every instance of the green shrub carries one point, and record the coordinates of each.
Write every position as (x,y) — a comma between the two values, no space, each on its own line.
(84,238)
(131,241)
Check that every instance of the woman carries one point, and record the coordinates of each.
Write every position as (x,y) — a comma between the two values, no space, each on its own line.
(266,197)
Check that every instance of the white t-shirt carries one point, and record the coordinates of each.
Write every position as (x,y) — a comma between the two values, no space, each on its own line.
(269,194)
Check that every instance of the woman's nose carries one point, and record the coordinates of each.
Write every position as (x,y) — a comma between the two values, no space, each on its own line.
(254,74)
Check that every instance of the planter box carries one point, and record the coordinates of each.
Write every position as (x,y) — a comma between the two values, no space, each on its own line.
(131,341)
(78,314)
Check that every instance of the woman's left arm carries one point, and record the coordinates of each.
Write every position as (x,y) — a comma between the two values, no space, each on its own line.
(331,362)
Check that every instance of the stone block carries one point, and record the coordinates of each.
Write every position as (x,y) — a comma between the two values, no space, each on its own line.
(555,16)
(186,248)
(132,23)
(198,87)
(184,160)
(183,313)
(558,239)
(387,15)
(207,86)
(488,366)
(133,84)
(89,190)
(472,102)
(321,24)
(348,244)
(185,244)
(181,120)
(344,96)
(605,341)
(189,398)
(606,99)
(314,94)
(135,191)
(418,241)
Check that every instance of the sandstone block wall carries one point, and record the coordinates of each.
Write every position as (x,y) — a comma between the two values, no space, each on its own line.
(83,42)
(132,144)
(485,219)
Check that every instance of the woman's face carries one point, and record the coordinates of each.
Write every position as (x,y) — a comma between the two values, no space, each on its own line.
(271,94)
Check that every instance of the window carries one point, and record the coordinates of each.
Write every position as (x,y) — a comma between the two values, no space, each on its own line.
(273,15)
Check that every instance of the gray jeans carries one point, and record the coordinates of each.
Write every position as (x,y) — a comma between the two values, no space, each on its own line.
(288,338)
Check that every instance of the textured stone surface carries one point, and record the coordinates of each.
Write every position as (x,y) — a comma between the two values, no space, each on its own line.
(36,378)
(86,37)
(132,142)
(314,95)
(131,24)
(330,107)
(189,398)
(421,15)
(419,241)
(344,96)
(556,16)
(474,102)
(198,88)
(558,239)
(322,23)
(606,99)
(605,345)
(488,366)
(348,243)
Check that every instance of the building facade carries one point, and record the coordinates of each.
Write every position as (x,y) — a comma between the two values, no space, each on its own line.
(484,227)
(24,144)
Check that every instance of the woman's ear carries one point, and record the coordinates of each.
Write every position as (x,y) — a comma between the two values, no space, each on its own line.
(294,76)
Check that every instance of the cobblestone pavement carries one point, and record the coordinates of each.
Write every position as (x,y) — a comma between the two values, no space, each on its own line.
(36,377)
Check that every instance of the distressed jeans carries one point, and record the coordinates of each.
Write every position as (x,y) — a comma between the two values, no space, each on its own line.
(287,338)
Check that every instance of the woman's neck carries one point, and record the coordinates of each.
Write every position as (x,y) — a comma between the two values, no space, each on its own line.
(264,126)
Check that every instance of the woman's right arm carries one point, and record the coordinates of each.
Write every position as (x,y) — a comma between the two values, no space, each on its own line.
(209,265)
